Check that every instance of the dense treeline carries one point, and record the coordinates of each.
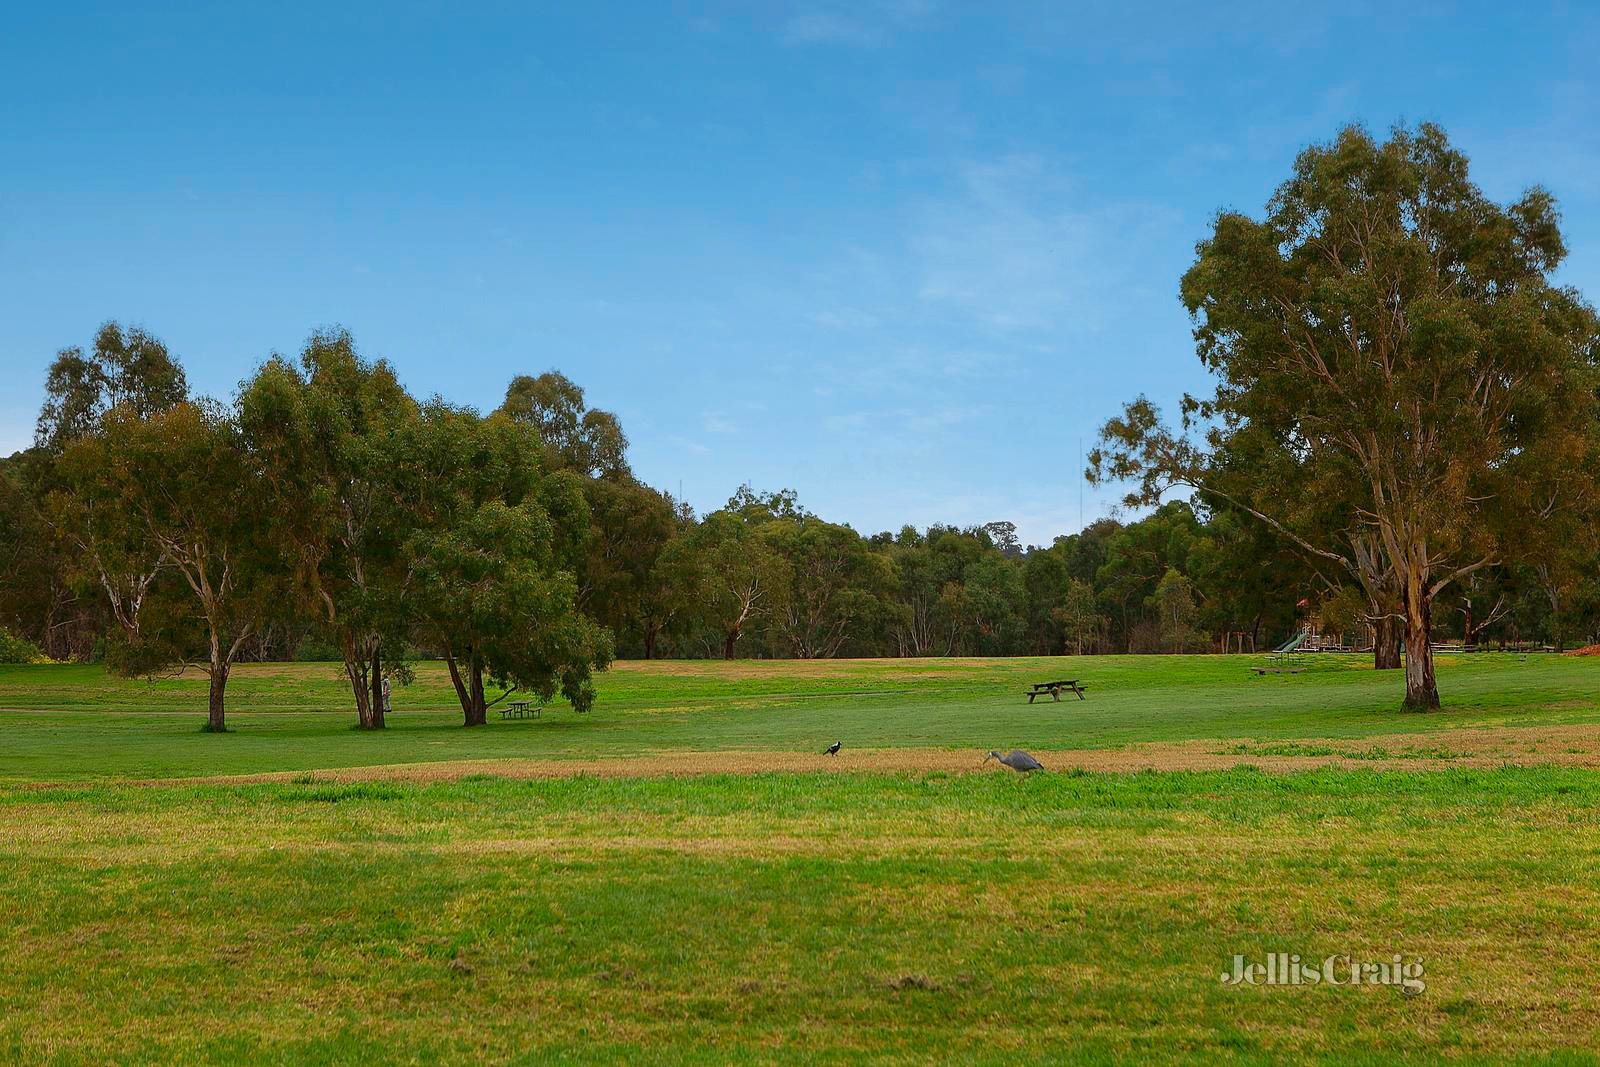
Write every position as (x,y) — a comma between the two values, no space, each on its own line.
(1403,445)
(327,513)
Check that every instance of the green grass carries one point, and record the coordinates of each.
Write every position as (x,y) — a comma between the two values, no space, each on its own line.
(833,917)
(1062,917)
(64,722)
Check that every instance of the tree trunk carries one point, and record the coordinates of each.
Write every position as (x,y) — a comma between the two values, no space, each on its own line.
(355,671)
(649,642)
(477,713)
(1386,644)
(727,645)
(219,683)
(463,695)
(376,721)
(1422,688)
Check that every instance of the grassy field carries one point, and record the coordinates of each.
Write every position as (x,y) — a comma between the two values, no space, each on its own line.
(77,722)
(790,915)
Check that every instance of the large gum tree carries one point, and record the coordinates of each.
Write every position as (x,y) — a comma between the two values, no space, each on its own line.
(1398,337)
(184,483)
(327,435)
(493,561)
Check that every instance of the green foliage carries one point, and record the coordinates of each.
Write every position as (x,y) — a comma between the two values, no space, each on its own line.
(493,566)
(35,598)
(621,583)
(573,436)
(126,368)
(730,574)
(1173,602)
(1403,392)
(376,515)
(836,586)
(316,649)
(179,494)
(330,436)
(14,649)
(1081,622)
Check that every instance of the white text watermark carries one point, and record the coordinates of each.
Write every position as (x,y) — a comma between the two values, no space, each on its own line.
(1290,969)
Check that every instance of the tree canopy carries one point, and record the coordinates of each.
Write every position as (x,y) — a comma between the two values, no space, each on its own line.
(1392,340)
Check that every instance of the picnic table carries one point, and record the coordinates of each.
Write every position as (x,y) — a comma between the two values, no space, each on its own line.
(1055,689)
(521,709)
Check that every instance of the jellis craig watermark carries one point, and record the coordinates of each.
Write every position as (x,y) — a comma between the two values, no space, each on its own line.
(1290,969)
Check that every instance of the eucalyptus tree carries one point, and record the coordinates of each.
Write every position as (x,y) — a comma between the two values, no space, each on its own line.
(930,609)
(494,560)
(1045,587)
(1402,337)
(1136,557)
(1080,618)
(664,591)
(1249,580)
(835,584)
(181,487)
(124,368)
(89,576)
(995,599)
(575,436)
(732,575)
(1174,607)
(1261,472)
(620,584)
(328,434)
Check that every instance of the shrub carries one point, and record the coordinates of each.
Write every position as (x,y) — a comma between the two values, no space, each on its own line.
(14,649)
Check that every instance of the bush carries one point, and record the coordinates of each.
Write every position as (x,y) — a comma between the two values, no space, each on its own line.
(14,649)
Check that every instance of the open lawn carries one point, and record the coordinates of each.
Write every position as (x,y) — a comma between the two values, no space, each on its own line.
(904,913)
(64,722)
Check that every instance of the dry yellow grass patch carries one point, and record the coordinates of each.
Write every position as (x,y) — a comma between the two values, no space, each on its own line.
(1476,747)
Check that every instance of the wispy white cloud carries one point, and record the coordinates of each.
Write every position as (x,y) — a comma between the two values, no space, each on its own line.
(863,24)
(1008,256)
(845,319)
(1017,248)
(686,444)
(826,27)
(906,430)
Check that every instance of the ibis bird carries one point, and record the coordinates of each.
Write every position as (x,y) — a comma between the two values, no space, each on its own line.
(833,749)
(1017,760)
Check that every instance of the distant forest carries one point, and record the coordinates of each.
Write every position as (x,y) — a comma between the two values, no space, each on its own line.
(355,493)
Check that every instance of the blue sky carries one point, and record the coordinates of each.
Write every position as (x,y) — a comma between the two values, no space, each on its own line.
(899,255)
